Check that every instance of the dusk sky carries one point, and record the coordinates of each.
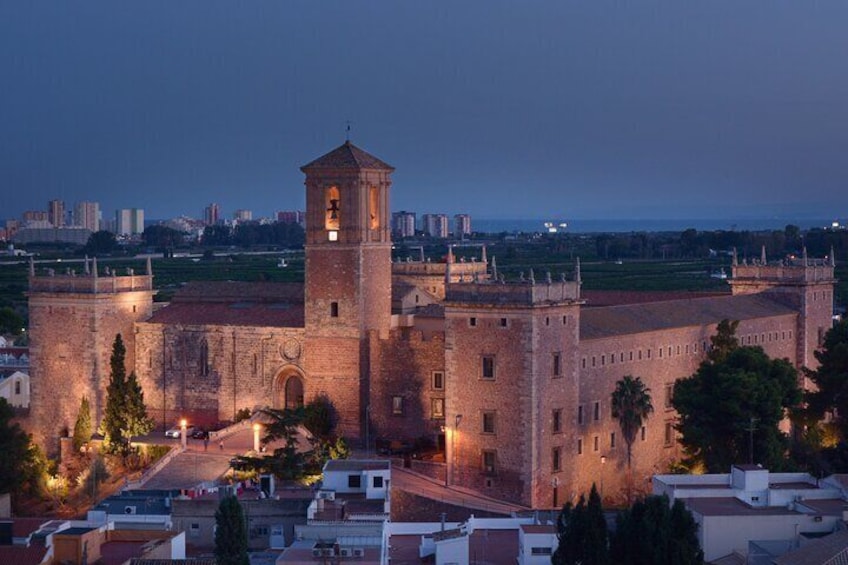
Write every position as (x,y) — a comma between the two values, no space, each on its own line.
(511,109)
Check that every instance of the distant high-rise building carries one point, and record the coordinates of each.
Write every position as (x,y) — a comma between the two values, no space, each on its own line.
(291,216)
(211,214)
(87,215)
(435,225)
(243,215)
(461,225)
(403,224)
(56,213)
(34,216)
(129,221)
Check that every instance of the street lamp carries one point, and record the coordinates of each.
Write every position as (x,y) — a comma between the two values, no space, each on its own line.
(452,462)
(256,428)
(183,432)
(603,463)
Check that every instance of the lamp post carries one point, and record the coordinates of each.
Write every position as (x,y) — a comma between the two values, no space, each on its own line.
(256,428)
(603,464)
(452,459)
(183,432)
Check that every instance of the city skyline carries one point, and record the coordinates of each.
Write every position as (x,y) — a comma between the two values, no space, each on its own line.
(595,111)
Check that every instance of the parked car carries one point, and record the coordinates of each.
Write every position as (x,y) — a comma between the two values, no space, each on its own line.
(176,430)
(199,433)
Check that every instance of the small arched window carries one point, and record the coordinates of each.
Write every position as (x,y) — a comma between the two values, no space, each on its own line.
(17,387)
(374,208)
(204,359)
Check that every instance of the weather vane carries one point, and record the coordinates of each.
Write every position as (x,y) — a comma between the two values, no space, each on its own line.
(347,130)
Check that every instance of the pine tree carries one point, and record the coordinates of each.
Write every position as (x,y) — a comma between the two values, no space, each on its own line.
(230,533)
(82,427)
(651,533)
(114,419)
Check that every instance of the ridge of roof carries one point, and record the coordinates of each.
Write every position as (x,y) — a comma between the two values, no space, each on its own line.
(347,156)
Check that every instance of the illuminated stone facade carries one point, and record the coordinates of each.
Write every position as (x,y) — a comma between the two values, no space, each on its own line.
(512,378)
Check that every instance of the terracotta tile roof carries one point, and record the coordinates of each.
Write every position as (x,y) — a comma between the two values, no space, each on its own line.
(118,552)
(596,323)
(233,314)
(347,156)
(20,555)
(617,297)
(230,303)
(227,291)
(357,465)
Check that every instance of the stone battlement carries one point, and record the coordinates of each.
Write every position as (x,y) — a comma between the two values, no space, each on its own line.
(519,293)
(89,281)
(789,272)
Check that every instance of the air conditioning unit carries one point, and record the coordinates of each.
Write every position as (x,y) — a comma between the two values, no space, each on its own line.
(359,552)
(130,509)
(316,552)
(326,495)
(345,552)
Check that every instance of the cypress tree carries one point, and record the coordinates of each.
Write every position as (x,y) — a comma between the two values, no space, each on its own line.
(230,533)
(114,419)
(82,427)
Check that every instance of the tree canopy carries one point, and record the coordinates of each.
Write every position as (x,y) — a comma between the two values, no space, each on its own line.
(831,380)
(82,426)
(21,463)
(734,402)
(582,533)
(653,533)
(230,533)
(101,243)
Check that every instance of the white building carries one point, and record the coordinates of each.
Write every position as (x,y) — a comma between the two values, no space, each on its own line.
(461,225)
(87,215)
(435,225)
(15,389)
(129,222)
(751,504)
(403,224)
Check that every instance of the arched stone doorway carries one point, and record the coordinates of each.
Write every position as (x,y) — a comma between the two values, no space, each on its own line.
(288,390)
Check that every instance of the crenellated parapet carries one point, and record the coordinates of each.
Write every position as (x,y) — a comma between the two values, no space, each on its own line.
(89,281)
(514,293)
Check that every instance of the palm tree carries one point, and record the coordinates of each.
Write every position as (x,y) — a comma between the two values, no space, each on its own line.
(631,405)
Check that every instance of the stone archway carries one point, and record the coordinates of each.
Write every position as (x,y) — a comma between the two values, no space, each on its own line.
(288,389)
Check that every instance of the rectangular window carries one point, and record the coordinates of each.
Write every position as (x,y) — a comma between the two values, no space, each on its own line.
(556,418)
(488,367)
(472,321)
(489,462)
(631,356)
(555,459)
(669,395)
(541,551)
(593,360)
(334,309)
(503,322)
(488,422)
(397,405)
(557,361)
(438,380)
(354,481)
(596,411)
(596,443)
(580,414)
(669,434)
(378,481)
(649,353)
(644,433)
(437,411)
(603,360)
(612,440)
(579,446)
(583,363)
(547,321)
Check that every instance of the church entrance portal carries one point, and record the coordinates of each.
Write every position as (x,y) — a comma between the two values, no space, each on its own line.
(289,391)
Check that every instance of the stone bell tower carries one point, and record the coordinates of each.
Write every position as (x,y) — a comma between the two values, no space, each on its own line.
(348,276)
